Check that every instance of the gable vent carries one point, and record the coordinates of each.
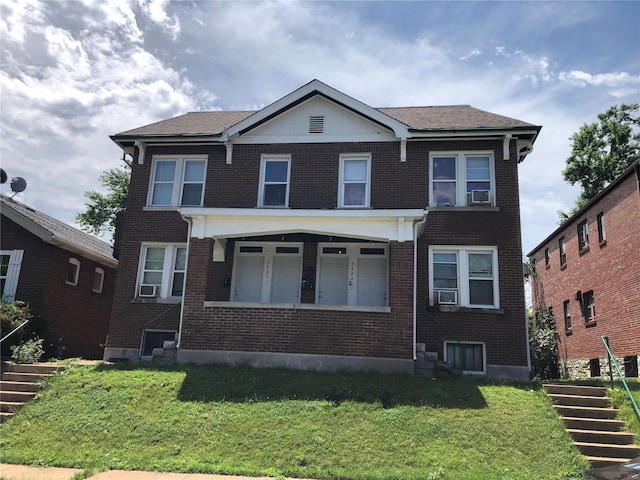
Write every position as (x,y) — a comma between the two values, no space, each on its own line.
(316,124)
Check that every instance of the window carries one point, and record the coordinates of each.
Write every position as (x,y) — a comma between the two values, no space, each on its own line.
(274,181)
(355,170)
(546,258)
(177,181)
(602,235)
(631,366)
(73,271)
(588,306)
(583,236)
(461,179)
(353,274)
(267,272)
(470,272)
(467,357)
(162,270)
(567,316)
(98,280)
(10,262)
(594,367)
(562,248)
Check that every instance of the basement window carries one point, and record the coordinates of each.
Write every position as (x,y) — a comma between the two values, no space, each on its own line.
(631,366)
(594,367)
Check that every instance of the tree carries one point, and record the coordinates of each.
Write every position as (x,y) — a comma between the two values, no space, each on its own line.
(602,151)
(543,338)
(101,212)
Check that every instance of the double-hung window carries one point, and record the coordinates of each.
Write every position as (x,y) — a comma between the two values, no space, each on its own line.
(602,235)
(274,181)
(10,262)
(462,179)
(355,184)
(583,236)
(73,271)
(177,181)
(98,280)
(353,274)
(567,315)
(267,272)
(162,269)
(464,276)
(562,249)
(589,308)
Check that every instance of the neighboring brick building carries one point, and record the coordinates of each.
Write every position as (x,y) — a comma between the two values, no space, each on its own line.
(292,233)
(588,271)
(65,275)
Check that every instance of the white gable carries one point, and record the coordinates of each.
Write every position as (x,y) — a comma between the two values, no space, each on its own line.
(337,124)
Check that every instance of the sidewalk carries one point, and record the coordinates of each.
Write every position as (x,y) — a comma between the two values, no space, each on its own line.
(20,472)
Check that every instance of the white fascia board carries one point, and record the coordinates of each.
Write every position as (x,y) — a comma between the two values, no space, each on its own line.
(380,225)
(486,133)
(400,129)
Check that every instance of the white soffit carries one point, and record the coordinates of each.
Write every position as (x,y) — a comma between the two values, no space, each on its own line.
(380,225)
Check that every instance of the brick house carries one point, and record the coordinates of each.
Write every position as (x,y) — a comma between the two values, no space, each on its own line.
(588,272)
(65,275)
(322,233)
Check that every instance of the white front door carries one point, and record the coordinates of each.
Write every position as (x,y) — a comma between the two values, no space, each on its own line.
(285,284)
(372,281)
(248,279)
(332,289)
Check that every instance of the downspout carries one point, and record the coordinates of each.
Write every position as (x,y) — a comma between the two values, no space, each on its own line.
(184,281)
(416,228)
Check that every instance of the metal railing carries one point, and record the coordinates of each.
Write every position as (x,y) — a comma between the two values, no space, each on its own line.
(614,362)
(14,331)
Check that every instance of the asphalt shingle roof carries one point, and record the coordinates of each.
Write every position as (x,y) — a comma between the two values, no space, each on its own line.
(60,230)
(418,118)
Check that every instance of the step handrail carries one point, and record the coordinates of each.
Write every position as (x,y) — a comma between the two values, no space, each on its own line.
(612,360)
(14,331)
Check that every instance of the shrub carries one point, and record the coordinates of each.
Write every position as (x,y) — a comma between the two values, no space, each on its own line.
(29,351)
(13,315)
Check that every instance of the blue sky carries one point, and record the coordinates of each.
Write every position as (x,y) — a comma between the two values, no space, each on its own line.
(73,73)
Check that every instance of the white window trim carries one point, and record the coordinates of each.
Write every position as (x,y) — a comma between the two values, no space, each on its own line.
(463,273)
(76,262)
(98,271)
(463,342)
(461,175)
(269,253)
(352,255)
(13,274)
(264,159)
(176,194)
(367,194)
(167,269)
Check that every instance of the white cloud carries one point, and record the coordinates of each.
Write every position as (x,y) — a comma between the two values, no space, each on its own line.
(473,53)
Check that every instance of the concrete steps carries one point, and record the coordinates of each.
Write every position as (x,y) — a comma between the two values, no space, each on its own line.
(592,424)
(19,384)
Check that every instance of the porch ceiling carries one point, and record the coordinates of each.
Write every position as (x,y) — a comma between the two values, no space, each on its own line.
(379,225)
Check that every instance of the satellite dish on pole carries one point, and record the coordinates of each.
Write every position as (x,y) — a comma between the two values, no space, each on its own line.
(3,176)
(18,184)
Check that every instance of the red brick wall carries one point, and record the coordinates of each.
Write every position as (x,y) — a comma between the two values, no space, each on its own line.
(611,270)
(76,313)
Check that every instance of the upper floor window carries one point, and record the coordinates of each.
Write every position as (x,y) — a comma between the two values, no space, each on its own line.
(466,277)
(562,249)
(73,271)
(602,235)
(462,179)
(161,271)
(546,257)
(583,236)
(274,181)
(177,181)
(355,184)
(98,280)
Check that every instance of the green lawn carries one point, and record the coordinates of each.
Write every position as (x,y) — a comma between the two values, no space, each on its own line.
(620,400)
(292,424)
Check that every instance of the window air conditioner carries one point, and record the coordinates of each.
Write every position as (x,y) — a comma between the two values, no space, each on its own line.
(148,291)
(447,297)
(480,197)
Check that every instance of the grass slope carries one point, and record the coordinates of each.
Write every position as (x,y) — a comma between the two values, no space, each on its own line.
(285,423)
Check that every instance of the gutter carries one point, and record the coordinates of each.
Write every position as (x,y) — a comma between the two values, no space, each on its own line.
(416,231)
(184,280)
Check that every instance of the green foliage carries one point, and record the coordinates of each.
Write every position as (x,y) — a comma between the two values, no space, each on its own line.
(29,351)
(101,212)
(279,423)
(602,151)
(543,337)
(12,315)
